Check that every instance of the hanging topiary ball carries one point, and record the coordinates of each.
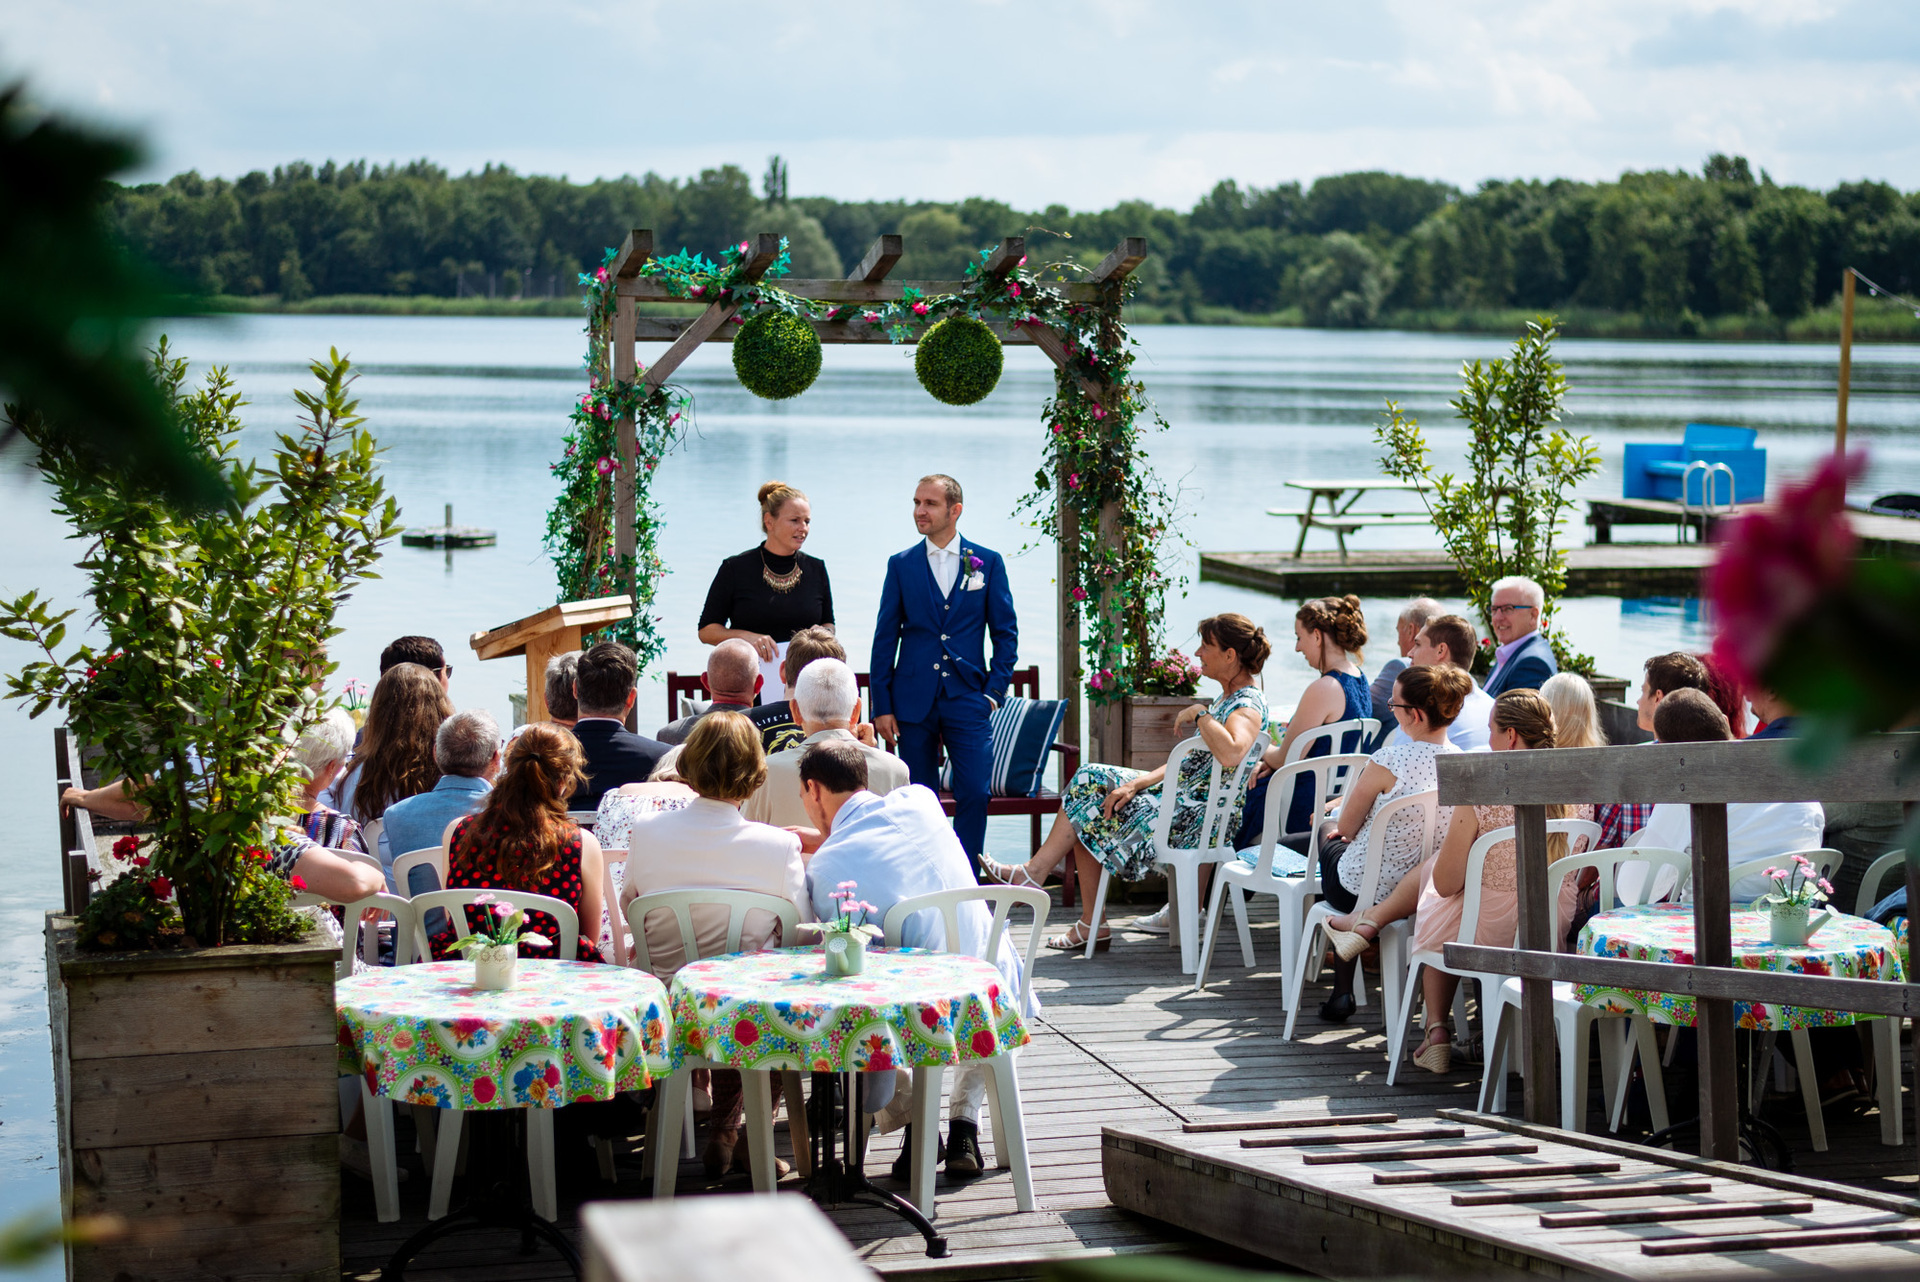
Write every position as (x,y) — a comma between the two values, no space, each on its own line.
(958,360)
(776,355)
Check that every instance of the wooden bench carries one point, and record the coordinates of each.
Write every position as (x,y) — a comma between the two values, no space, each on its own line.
(1345,523)
(1026,684)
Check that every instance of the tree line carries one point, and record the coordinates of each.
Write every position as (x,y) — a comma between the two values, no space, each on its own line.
(1677,248)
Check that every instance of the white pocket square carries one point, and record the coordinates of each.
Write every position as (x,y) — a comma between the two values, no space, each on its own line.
(974,582)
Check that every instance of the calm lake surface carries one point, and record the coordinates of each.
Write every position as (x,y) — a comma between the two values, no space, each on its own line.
(470,411)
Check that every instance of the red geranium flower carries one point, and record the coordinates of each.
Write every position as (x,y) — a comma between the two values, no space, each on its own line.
(298,882)
(161,887)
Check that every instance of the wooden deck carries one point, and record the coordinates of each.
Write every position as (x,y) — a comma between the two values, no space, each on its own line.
(1124,1042)
(1613,569)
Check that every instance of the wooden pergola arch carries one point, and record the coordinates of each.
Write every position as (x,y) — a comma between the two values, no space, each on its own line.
(866,283)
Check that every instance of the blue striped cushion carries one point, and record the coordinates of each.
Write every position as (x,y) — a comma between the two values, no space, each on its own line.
(1023,734)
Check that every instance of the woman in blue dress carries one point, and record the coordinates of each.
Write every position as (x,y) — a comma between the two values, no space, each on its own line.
(1107,812)
(1328,633)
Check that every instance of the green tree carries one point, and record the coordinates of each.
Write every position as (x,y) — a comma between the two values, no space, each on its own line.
(1344,282)
(715,211)
(938,244)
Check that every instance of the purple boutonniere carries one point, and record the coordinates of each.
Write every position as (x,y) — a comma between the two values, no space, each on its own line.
(974,562)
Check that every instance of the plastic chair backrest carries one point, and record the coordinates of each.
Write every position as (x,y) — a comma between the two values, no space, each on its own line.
(370,835)
(1580,834)
(1870,884)
(434,857)
(1824,861)
(404,948)
(1427,805)
(584,819)
(610,896)
(455,903)
(681,904)
(1607,863)
(1329,776)
(1335,735)
(1002,899)
(1223,789)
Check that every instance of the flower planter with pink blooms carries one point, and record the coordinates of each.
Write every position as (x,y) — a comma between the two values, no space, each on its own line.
(196,1099)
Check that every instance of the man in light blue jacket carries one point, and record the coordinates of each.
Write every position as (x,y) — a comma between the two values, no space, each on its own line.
(467,750)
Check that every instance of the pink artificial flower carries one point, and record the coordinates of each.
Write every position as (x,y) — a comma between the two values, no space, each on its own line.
(1022,262)
(486,898)
(1826,885)
(600,275)
(1073,480)
(1079,594)
(673,418)
(1013,289)
(1778,562)
(697,290)
(849,885)
(743,246)
(871,318)
(920,309)
(1099,412)
(503,909)
(605,466)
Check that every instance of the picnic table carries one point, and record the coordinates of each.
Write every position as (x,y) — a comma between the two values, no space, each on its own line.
(1340,516)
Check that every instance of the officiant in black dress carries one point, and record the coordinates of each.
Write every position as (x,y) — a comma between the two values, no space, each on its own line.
(768,593)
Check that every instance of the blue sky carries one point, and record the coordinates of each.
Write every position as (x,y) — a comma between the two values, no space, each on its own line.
(1080,102)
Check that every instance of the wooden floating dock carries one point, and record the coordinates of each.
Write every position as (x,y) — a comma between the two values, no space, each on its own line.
(1497,1199)
(1613,569)
(448,535)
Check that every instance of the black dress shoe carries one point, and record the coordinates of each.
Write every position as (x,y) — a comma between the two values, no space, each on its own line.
(1337,1009)
(963,1149)
(902,1170)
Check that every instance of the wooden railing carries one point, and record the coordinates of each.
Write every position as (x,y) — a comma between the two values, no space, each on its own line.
(1706,777)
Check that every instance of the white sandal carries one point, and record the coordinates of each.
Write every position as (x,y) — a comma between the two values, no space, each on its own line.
(1075,939)
(1008,874)
(1349,944)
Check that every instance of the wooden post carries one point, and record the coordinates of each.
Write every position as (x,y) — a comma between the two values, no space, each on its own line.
(1713,1022)
(1846,359)
(1542,1098)
(628,456)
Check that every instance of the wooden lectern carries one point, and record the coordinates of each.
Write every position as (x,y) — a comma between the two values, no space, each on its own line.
(555,630)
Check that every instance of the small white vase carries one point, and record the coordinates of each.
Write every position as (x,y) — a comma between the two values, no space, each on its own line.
(846,952)
(493,966)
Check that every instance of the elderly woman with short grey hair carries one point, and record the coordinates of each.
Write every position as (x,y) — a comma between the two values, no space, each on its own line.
(321,754)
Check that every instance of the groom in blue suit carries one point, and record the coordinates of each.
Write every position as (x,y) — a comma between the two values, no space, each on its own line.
(932,684)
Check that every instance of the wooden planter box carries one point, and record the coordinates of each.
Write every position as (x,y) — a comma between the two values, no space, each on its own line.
(1147,729)
(197,1098)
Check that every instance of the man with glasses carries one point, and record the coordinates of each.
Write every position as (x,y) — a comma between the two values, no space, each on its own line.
(424,651)
(1523,660)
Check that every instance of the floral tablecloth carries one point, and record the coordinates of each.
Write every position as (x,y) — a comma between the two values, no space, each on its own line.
(911,1008)
(566,1032)
(1846,947)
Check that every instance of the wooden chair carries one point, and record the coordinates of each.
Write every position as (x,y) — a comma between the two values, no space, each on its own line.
(670,1107)
(689,685)
(1215,844)
(546,1199)
(1043,804)
(1424,806)
(1003,1106)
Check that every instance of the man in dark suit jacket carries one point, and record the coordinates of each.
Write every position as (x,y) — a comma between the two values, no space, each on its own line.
(1524,658)
(931,682)
(603,684)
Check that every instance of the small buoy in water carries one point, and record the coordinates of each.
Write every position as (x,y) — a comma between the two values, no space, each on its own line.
(448,535)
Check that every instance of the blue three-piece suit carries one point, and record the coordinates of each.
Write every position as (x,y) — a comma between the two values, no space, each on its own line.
(930,672)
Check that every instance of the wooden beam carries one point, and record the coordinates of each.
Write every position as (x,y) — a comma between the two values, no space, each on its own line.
(1129,254)
(1713,1016)
(635,250)
(1875,769)
(1045,338)
(667,329)
(761,252)
(880,259)
(1007,257)
(645,290)
(1542,1099)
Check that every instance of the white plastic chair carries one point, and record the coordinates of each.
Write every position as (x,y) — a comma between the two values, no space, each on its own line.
(671,1113)
(370,835)
(1573,1020)
(1870,884)
(1581,835)
(546,1198)
(1335,735)
(1419,806)
(1242,877)
(434,857)
(376,1109)
(1003,1105)
(1214,845)
(620,943)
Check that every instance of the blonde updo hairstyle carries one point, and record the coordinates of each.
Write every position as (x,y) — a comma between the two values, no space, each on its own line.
(1337,618)
(1241,636)
(773,496)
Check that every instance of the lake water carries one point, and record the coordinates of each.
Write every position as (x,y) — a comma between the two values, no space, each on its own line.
(469,411)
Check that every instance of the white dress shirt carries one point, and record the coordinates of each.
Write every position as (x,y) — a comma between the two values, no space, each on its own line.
(944,562)
(1754,830)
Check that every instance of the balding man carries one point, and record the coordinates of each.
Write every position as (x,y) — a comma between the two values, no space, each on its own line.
(731,681)
(827,702)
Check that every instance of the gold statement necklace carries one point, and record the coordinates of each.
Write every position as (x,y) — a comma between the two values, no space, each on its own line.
(781,583)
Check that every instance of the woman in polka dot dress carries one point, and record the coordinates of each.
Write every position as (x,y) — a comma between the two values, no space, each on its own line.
(522,840)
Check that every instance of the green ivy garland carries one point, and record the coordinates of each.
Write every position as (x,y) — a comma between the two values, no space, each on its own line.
(1094,451)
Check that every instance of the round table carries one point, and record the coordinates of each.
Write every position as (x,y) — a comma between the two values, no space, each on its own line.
(779,1009)
(566,1032)
(909,1008)
(1846,947)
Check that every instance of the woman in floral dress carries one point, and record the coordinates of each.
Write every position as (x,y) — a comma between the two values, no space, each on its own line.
(1107,813)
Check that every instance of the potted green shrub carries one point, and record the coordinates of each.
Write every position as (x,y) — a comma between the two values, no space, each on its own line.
(203,663)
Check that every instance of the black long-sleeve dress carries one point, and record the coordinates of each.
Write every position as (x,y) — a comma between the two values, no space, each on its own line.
(742,598)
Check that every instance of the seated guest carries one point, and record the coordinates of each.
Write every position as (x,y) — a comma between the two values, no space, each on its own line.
(828,702)
(665,789)
(395,757)
(1778,718)
(321,871)
(1436,890)
(775,721)
(521,839)
(466,748)
(1754,829)
(896,848)
(707,845)
(321,753)
(424,651)
(1664,674)
(1576,713)
(1414,617)
(731,681)
(1449,639)
(1523,659)
(1107,813)
(1727,693)
(603,688)
(1425,702)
